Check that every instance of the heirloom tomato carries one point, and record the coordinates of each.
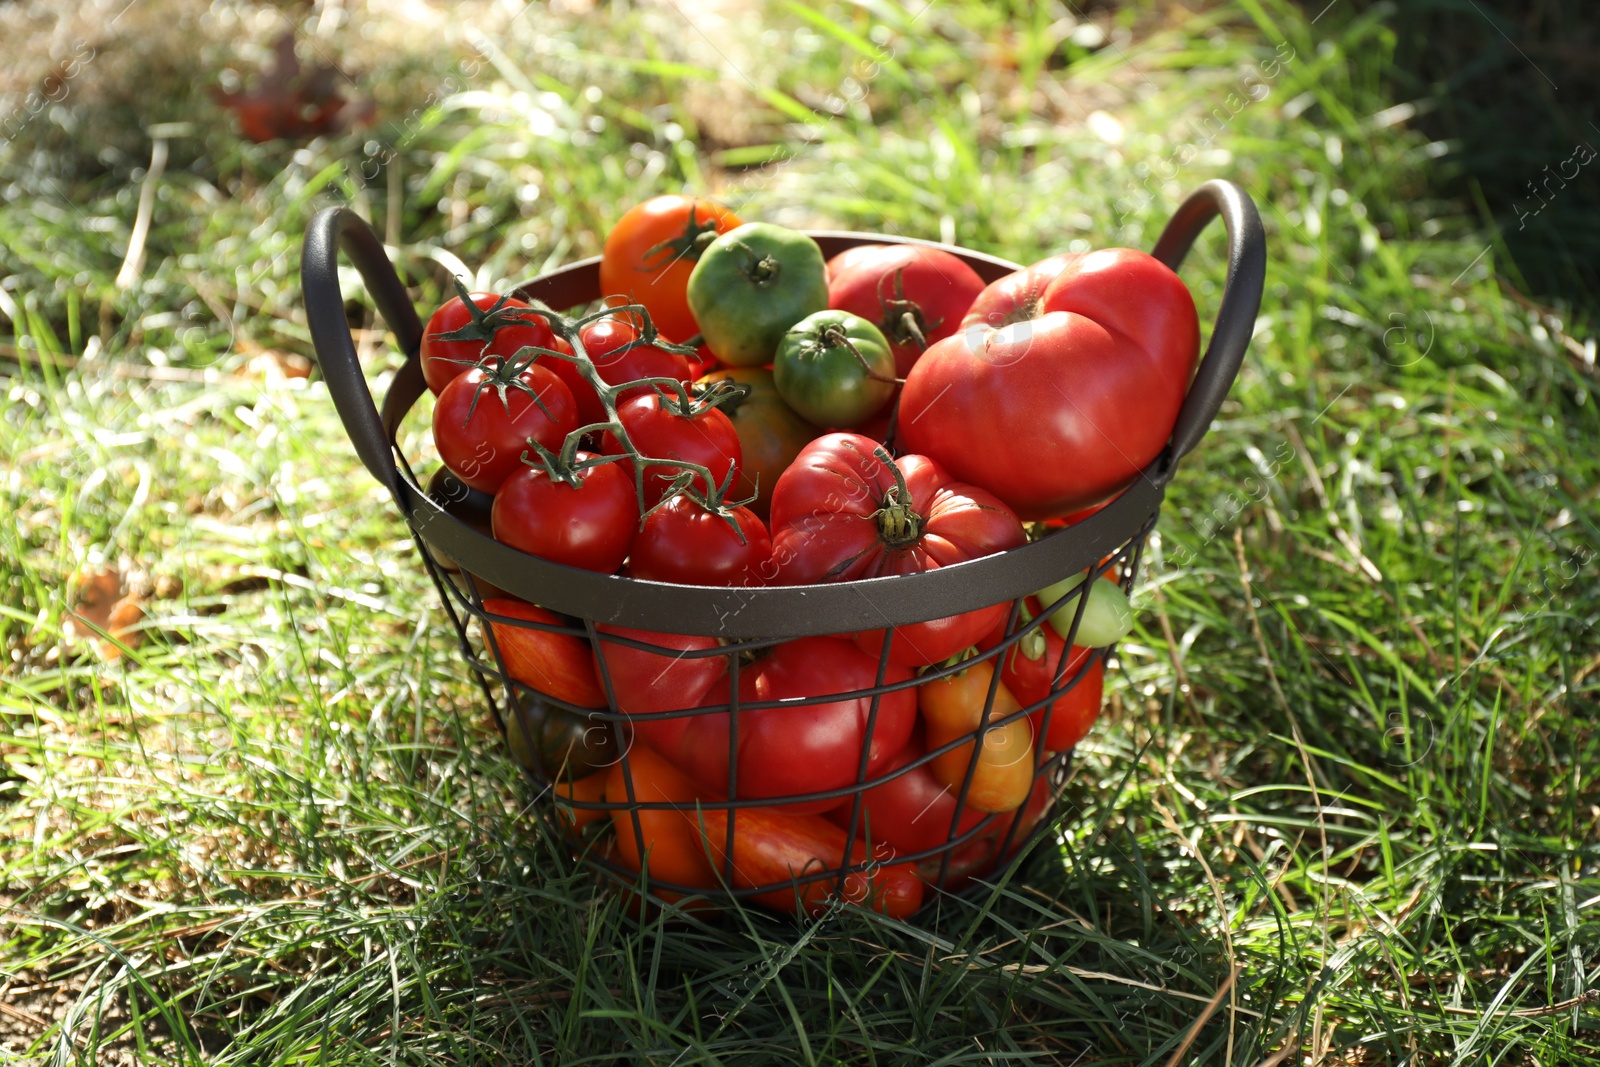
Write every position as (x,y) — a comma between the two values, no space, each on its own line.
(953,708)
(668,840)
(751,285)
(651,251)
(645,682)
(1028,668)
(912,812)
(915,294)
(770,433)
(834,368)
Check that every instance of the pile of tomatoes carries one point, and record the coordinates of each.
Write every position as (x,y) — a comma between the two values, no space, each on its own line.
(741,412)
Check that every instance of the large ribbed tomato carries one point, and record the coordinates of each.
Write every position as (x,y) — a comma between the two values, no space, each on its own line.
(1060,409)
(845,510)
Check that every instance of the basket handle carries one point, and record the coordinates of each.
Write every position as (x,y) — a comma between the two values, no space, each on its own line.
(334,229)
(1241,300)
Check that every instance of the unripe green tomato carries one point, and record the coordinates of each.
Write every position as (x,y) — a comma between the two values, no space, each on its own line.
(1107,617)
(819,375)
(562,743)
(750,286)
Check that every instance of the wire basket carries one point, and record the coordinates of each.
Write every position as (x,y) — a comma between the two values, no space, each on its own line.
(470,568)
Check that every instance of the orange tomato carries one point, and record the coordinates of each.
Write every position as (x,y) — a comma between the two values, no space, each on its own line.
(590,790)
(667,838)
(650,253)
(953,708)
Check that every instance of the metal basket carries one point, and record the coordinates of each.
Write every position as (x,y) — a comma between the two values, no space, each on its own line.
(461,559)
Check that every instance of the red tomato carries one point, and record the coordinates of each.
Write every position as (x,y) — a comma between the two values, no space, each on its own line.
(1030,679)
(808,748)
(1017,297)
(660,429)
(603,340)
(842,511)
(458,335)
(1058,412)
(770,848)
(682,542)
(558,665)
(854,257)
(651,251)
(484,418)
(590,524)
(644,682)
(910,813)
(915,295)
(669,837)
(981,855)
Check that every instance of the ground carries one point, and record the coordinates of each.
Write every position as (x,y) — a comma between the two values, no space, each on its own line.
(1341,808)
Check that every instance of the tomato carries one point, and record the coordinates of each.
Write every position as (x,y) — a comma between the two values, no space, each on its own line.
(644,682)
(590,790)
(911,813)
(606,342)
(981,856)
(682,542)
(844,511)
(834,368)
(585,518)
(668,837)
(1017,297)
(751,285)
(771,848)
(856,256)
(558,665)
(664,428)
(770,433)
(1058,412)
(1032,677)
(461,333)
(556,743)
(810,748)
(484,418)
(651,251)
(953,707)
(914,294)
(1107,617)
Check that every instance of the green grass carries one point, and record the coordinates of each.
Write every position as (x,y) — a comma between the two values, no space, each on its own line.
(1348,755)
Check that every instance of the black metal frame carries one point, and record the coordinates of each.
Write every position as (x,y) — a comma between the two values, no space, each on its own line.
(749,619)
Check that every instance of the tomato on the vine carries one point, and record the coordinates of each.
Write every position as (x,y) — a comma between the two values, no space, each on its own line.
(584,517)
(462,332)
(651,251)
(485,417)
(607,343)
(684,542)
(845,510)
(664,427)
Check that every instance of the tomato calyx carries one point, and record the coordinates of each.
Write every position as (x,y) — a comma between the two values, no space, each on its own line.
(834,335)
(485,322)
(694,239)
(899,524)
(724,393)
(502,375)
(687,401)
(1033,643)
(564,467)
(903,320)
(713,500)
(762,270)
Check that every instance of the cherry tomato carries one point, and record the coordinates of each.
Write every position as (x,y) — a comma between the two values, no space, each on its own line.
(660,428)
(644,682)
(952,707)
(770,848)
(682,542)
(910,813)
(484,418)
(604,341)
(669,837)
(1030,678)
(589,524)
(651,251)
(770,433)
(1055,413)
(558,665)
(807,748)
(843,510)
(914,294)
(459,335)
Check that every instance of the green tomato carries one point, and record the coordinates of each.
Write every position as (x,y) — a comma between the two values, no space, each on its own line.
(834,368)
(750,286)
(562,742)
(1107,617)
